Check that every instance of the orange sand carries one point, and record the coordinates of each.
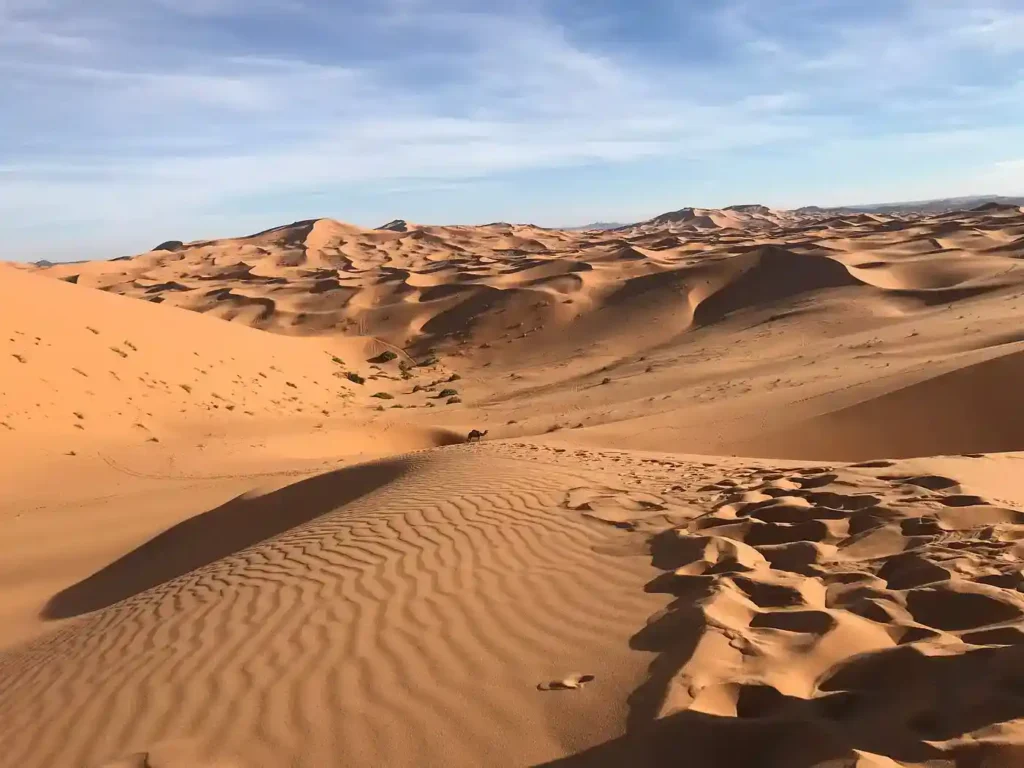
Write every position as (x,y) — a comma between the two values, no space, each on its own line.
(219,548)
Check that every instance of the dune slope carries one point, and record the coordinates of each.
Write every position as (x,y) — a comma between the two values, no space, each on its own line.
(397,613)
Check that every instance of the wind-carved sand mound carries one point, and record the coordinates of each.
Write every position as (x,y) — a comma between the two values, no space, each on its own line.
(832,616)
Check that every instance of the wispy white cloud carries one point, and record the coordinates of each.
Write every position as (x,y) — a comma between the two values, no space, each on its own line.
(1002,177)
(145,108)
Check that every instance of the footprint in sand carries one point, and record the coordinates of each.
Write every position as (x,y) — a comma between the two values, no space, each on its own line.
(571,683)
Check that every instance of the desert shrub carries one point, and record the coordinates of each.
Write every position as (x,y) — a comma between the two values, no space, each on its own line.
(453,400)
(606,381)
(355,377)
(432,360)
(383,396)
(454,377)
(384,357)
(448,393)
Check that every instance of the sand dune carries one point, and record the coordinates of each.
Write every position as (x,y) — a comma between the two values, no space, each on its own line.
(249,535)
(971,409)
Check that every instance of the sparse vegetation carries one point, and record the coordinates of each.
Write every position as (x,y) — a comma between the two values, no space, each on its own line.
(355,378)
(131,346)
(447,393)
(186,387)
(606,380)
(453,400)
(454,377)
(93,330)
(425,363)
(119,351)
(383,396)
(337,360)
(384,357)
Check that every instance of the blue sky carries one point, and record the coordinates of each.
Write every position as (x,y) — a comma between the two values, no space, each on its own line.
(127,122)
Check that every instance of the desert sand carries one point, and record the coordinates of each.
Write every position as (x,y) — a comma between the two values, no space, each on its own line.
(750,493)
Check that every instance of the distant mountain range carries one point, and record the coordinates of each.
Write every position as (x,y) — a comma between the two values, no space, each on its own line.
(746,212)
(942,205)
(595,225)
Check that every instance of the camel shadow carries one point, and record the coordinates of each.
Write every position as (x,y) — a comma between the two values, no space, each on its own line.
(220,532)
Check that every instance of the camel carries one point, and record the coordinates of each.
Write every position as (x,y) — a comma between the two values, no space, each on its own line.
(476,435)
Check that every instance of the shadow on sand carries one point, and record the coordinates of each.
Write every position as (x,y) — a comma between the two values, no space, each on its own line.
(220,532)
